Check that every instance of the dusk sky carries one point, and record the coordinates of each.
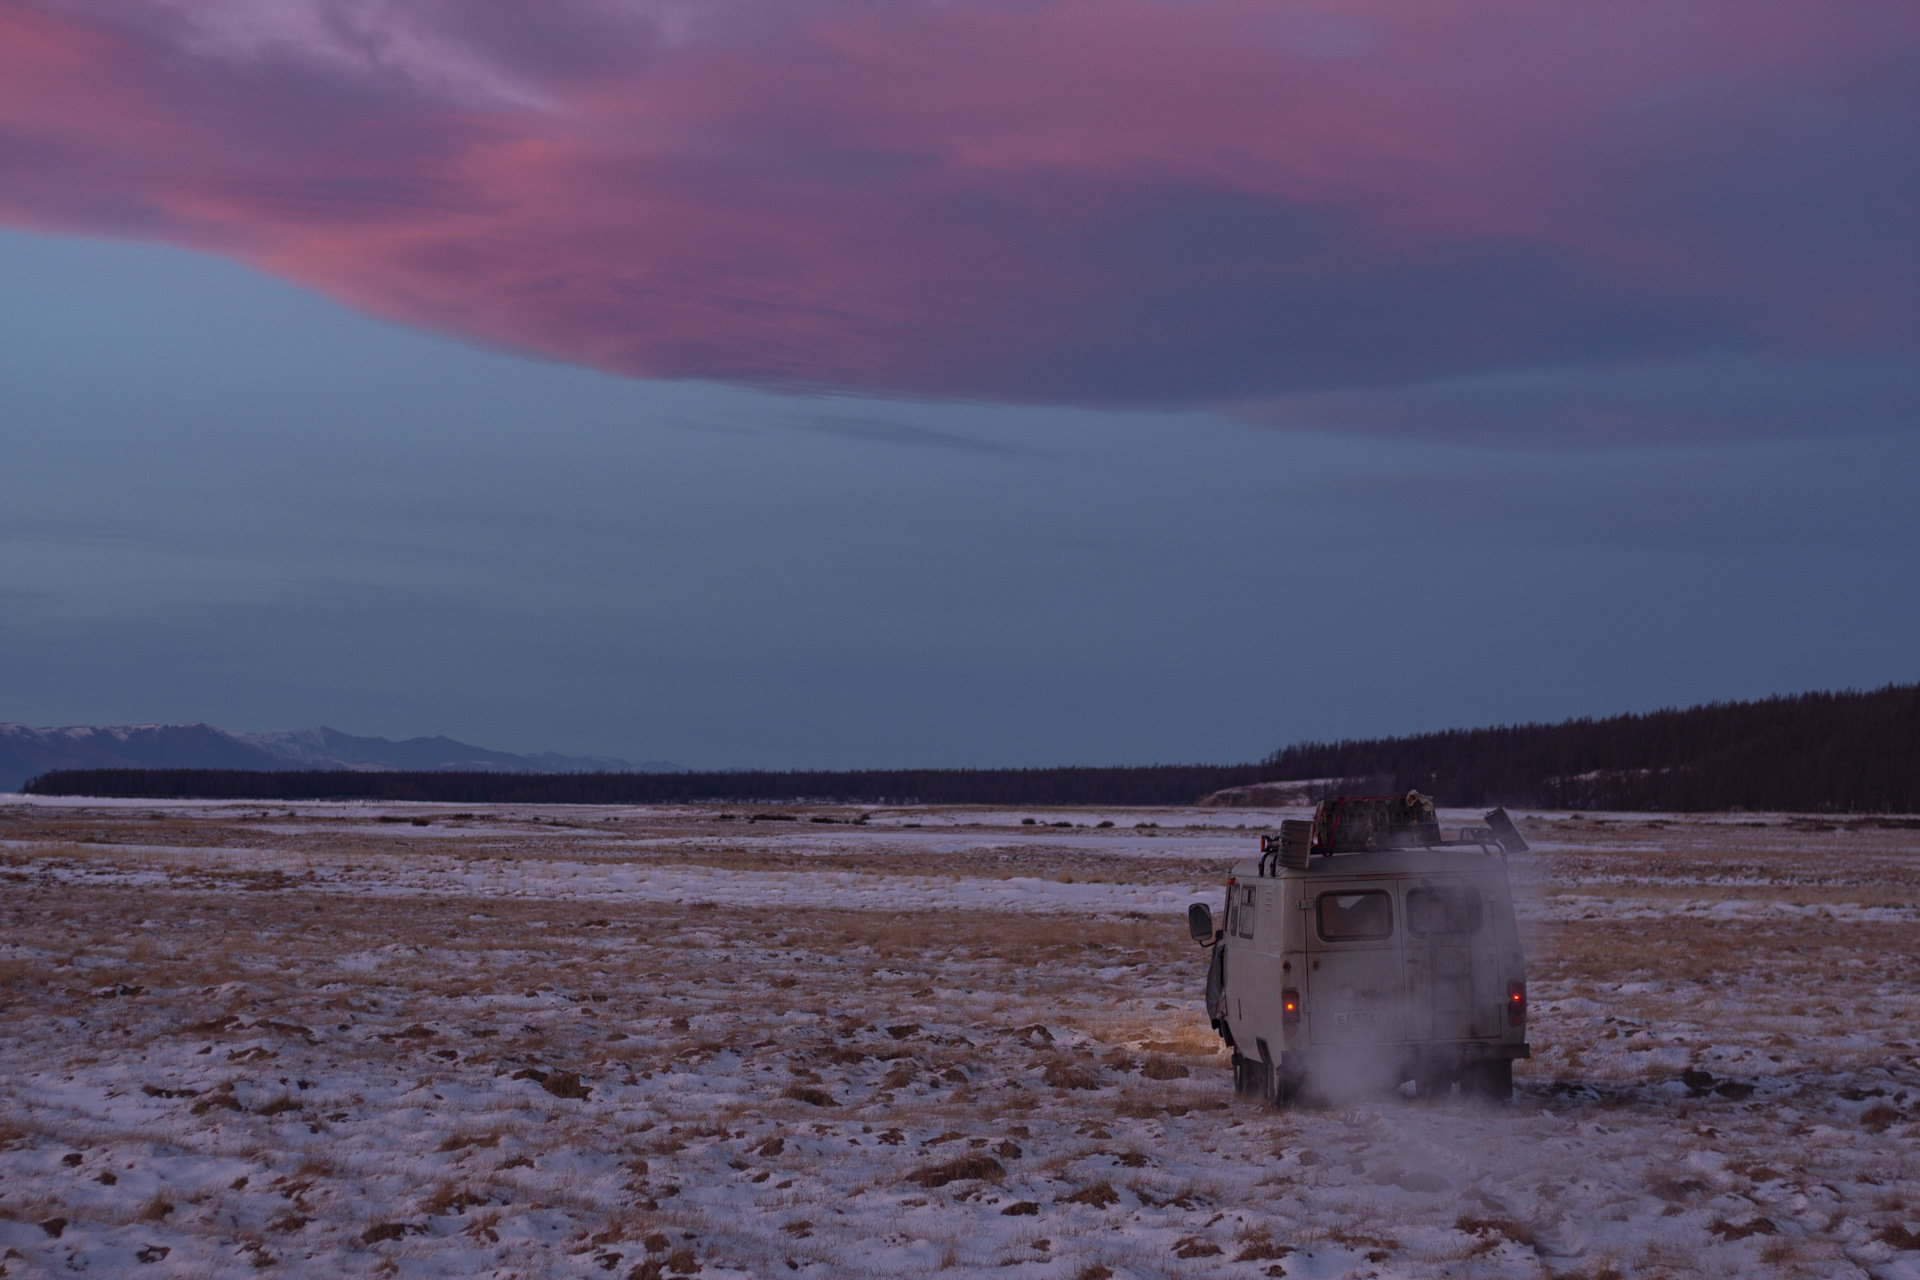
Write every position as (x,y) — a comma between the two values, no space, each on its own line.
(982,382)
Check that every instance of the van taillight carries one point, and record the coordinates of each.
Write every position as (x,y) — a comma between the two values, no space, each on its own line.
(1517,1004)
(1289,1011)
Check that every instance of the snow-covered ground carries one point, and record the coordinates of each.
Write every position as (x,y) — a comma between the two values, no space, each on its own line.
(399,1040)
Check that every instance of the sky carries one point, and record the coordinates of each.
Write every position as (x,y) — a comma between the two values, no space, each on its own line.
(838,383)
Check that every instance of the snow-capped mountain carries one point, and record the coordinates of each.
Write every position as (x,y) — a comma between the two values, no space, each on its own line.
(26,751)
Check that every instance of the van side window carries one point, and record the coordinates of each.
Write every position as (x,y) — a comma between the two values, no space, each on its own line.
(1245,911)
(1355,917)
(1452,910)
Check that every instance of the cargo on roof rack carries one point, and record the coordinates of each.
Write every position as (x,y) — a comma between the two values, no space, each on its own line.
(1369,824)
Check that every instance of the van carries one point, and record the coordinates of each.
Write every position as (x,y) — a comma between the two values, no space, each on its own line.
(1364,950)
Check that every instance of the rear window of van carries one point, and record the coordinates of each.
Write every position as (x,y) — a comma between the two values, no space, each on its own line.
(1365,916)
(1443,910)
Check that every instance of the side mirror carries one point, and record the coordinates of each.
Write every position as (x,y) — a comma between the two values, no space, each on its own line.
(1200,922)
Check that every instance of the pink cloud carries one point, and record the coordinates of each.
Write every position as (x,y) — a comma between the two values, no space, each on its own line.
(1081,200)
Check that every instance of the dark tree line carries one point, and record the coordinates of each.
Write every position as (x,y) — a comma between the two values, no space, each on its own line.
(1811,753)
(1150,785)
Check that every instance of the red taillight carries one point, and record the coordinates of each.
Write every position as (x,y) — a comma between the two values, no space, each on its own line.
(1517,1004)
(1289,1011)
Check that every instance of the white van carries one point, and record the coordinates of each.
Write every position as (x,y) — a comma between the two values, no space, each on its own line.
(1365,950)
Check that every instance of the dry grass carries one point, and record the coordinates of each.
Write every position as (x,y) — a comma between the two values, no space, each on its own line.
(889,1053)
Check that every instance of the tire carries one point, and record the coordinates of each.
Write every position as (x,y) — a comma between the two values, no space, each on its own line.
(1491,1078)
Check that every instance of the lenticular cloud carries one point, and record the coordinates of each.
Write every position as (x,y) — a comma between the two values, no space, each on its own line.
(1081,201)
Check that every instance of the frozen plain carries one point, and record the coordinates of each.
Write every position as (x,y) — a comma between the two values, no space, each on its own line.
(345,1040)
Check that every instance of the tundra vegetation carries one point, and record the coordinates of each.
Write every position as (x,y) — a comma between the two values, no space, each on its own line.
(360,1039)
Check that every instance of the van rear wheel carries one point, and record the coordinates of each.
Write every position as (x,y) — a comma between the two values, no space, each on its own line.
(1490,1078)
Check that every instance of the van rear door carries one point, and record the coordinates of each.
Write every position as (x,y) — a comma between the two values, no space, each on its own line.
(1355,991)
(1450,960)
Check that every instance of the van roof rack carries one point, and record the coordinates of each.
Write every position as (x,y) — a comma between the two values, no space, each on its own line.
(1372,824)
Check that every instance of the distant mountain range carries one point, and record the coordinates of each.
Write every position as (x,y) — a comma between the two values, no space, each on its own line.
(26,751)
